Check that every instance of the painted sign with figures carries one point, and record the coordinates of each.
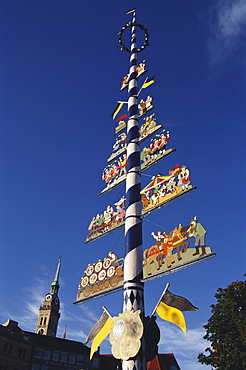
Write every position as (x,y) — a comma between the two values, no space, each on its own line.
(147,129)
(158,193)
(115,172)
(179,248)
(140,70)
(103,276)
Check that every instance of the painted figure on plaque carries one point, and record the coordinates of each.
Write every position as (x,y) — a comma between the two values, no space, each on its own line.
(158,142)
(179,235)
(169,246)
(121,123)
(107,221)
(113,172)
(103,275)
(120,210)
(141,68)
(145,105)
(158,238)
(110,173)
(124,82)
(157,146)
(119,146)
(148,126)
(197,231)
(120,142)
(122,165)
(108,214)
(168,250)
(184,178)
(161,189)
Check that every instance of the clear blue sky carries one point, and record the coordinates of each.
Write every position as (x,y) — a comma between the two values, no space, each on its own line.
(61,69)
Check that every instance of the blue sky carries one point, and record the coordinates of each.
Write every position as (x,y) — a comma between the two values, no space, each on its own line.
(61,69)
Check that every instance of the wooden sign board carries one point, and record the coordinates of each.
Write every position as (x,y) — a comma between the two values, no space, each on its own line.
(158,193)
(169,253)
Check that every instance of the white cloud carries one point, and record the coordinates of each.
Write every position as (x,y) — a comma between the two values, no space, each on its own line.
(185,347)
(34,297)
(227,29)
(231,18)
(78,326)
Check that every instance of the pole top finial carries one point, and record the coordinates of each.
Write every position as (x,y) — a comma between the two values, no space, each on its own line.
(131,11)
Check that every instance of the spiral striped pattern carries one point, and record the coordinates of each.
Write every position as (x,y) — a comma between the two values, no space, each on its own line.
(133,268)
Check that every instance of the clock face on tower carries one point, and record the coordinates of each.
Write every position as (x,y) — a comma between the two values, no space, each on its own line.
(48,297)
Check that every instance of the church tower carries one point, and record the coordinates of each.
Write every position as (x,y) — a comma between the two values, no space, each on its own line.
(49,310)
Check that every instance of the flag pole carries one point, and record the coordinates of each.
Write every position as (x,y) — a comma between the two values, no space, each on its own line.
(141,88)
(105,309)
(164,291)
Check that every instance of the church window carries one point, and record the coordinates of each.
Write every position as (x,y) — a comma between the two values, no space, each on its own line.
(41,321)
(45,320)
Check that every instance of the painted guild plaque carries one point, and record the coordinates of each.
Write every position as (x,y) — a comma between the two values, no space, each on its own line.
(100,277)
(171,251)
(121,125)
(115,172)
(158,193)
(141,69)
(145,106)
(147,129)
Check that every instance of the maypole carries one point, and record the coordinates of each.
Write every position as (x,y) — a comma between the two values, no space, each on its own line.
(133,336)
(133,296)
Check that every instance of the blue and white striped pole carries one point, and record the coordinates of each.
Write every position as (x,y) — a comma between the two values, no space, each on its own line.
(133,265)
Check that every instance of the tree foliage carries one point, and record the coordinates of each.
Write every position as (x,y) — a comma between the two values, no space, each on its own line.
(226,329)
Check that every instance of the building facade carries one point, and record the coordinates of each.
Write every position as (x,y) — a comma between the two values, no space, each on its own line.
(16,347)
(20,350)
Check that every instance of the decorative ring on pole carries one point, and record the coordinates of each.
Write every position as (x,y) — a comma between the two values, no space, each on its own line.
(144,29)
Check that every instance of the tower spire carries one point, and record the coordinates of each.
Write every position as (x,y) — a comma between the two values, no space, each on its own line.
(54,287)
(49,311)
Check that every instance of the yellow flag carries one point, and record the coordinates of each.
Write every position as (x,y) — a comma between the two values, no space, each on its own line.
(171,314)
(170,308)
(149,81)
(146,84)
(101,335)
(117,109)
